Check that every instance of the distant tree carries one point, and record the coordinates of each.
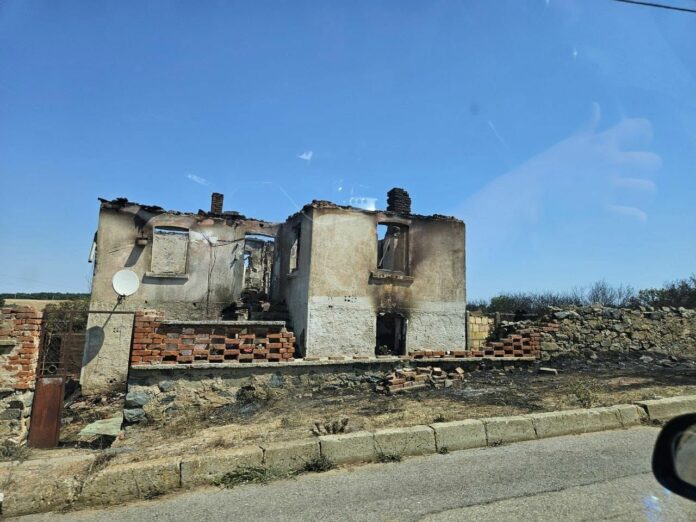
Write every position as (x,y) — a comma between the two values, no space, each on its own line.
(58,296)
(521,303)
(681,292)
(66,316)
(604,294)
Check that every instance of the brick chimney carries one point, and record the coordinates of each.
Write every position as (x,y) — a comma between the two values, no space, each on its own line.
(398,201)
(216,203)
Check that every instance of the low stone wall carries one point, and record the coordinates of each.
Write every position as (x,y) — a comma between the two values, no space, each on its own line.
(164,392)
(20,333)
(587,330)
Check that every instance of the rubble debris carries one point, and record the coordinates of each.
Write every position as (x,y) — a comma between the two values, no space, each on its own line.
(134,415)
(550,371)
(137,399)
(109,427)
(421,377)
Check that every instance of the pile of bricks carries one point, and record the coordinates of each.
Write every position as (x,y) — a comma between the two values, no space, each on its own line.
(155,342)
(526,343)
(410,379)
(20,334)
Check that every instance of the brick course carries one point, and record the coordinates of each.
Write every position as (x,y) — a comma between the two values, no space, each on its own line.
(19,352)
(155,342)
(20,333)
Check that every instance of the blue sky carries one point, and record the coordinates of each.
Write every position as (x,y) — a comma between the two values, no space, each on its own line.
(563,131)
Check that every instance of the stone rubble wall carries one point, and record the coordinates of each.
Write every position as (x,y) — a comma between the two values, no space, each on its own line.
(20,334)
(587,330)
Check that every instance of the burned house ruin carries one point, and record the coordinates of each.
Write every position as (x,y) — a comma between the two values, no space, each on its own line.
(348,282)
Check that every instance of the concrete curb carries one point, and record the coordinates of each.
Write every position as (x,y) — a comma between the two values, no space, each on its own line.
(147,479)
(349,448)
(140,480)
(665,409)
(204,469)
(291,455)
(415,440)
(503,430)
(459,435)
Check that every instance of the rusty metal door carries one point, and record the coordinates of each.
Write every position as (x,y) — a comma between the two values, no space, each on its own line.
(44,428)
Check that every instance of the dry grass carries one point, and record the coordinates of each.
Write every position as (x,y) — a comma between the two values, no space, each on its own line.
(36,304)
(490,394)
(10,452)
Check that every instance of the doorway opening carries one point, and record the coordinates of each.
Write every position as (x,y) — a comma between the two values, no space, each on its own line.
(391,334)
(258,262)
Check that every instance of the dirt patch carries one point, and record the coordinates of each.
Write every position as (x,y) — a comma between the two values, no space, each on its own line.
(484,392)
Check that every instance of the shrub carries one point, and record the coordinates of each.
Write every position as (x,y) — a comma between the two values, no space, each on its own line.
(318,464)
(681,292)
(245,475)
(10,451)
(388,457)
(536,303)
(677,293)
(330,427)
(583,392)
(439,418)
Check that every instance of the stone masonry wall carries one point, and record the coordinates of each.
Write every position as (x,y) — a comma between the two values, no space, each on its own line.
(20,333)
(586,330)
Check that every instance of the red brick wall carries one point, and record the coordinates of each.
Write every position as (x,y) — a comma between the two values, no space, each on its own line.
(158,343)
(21,326)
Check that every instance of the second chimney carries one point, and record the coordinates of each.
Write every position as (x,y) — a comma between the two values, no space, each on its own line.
(216,203)
(399,201)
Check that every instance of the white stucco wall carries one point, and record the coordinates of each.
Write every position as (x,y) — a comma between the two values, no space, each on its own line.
(343,301)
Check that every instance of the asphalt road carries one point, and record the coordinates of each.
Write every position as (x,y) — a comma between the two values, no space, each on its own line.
(602,476)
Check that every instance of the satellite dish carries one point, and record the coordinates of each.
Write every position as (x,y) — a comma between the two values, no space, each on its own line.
(125,282)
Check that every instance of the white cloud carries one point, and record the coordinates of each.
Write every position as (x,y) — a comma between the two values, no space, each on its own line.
(197,179)
(631,212)
(635,184)
(306,155)
(562,184)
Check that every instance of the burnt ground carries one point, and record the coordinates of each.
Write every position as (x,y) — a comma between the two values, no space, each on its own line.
(268,415)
